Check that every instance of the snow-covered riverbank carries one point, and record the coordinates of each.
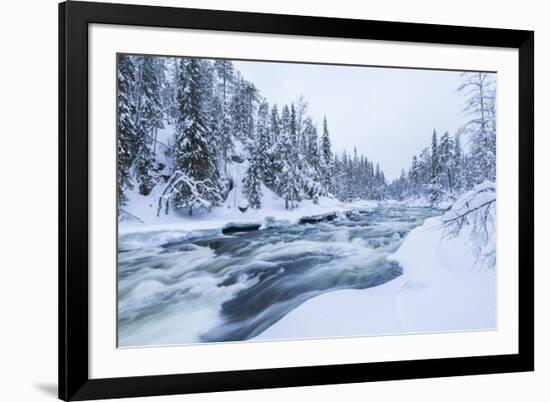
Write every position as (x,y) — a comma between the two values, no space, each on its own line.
(228,213)
(444,287)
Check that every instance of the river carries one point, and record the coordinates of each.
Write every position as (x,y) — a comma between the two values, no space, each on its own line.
(176,289)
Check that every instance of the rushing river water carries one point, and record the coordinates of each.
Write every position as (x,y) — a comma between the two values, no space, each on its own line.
(175,289)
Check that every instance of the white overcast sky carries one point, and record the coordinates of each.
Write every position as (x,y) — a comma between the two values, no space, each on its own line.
(388,113)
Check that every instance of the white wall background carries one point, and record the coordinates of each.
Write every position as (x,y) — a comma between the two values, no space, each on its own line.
(28,201)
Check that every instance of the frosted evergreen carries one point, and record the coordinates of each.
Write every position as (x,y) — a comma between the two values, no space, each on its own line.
(223,137)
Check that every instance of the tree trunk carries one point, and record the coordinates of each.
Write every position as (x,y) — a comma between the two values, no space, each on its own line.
(190,211)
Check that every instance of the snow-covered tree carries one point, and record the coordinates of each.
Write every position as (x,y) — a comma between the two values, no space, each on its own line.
(263,139)
(288,180)
(252,182)
(126,129)
(415,177)
(475,211)
(275,151)
(312,161)
(457,164)
(219,121)
(226,75)
(446,149)
(195,182)
(326,162)
(259,167)
(242,107)
(435,188)
(479,90)
(148,118)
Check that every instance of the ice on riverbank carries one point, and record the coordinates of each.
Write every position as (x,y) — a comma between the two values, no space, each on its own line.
(444,287)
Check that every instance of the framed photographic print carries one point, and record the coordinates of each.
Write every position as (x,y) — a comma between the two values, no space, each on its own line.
(257,200)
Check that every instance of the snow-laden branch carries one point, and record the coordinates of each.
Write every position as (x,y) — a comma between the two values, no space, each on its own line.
(194,186)
(475,211)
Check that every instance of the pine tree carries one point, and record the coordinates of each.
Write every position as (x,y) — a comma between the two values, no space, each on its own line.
(213,111)
(301,113)
(293,130)
(446,148)
(312,155)
(435,189)
(242,108)
(237,111)
(312,161)
(252,182)
(275,152)
(263,147)
(294,179)
(414,176)
(152,83)
(126,129)
(425,170)
(226,74)
(258,168)
(196,179)
(377,182)
(403,189)
(149,118)
(287,182)
(435,167)
(326,160)
(458,165)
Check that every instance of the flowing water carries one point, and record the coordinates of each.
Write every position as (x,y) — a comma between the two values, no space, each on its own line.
(176,288)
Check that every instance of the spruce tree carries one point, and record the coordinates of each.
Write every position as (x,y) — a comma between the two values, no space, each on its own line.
(414,176)
(196,180)
(263,141)
(457,165)
(149,118)
(287,182)
(435,189)
(126,129)
(213,108)
(242,108)
(252,182)
(425,170)
(226,75)
(280,154)
(326,160)
(294,160)
(445,161)
(312,161)
(276,151)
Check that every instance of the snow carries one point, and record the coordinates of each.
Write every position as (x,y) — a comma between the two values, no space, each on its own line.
(140,212)
(443,288)
(273,212)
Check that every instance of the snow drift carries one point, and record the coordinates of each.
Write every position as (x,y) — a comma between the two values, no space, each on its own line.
(448,282)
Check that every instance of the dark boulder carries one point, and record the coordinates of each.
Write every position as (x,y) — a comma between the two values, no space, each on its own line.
(318,218)
(240,227)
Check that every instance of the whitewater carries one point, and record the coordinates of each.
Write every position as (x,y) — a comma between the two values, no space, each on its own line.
(180,287)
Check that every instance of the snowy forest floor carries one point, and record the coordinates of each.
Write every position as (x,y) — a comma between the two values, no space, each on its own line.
(272,212)
(443,288)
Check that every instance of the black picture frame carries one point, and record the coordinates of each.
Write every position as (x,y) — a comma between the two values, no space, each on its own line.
(74,381)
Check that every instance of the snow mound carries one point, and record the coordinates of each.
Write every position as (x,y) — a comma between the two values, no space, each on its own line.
(443,287)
